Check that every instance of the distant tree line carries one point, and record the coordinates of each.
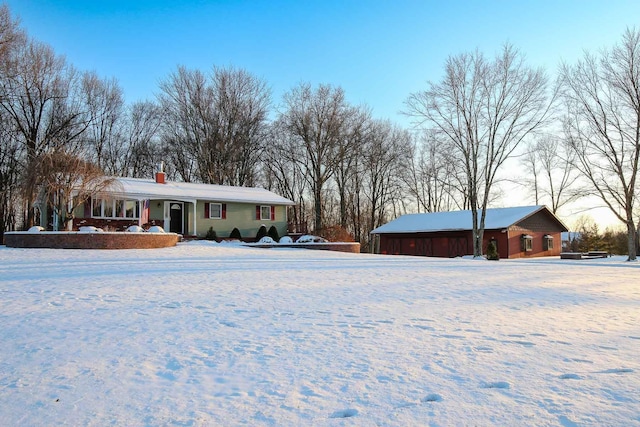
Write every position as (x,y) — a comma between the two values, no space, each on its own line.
(575,137)
(588,237)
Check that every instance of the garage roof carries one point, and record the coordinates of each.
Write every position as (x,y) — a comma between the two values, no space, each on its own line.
(459,220)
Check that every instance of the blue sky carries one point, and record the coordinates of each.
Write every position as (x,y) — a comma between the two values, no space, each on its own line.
(377,51)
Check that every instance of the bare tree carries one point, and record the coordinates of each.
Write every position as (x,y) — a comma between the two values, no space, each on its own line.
(602,95)
(105,106)
(215,123)
(40,95)
(285,174)
(432,177)
(317,119)
(11,37)
(66,181)
(187,105)
(141,133)
(485,109)
(385,154)
(550,172)
(349,150)
(10,154)
(241,103)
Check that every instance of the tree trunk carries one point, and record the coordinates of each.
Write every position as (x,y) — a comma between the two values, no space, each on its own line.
(317,198)
(631,240)
(477,247)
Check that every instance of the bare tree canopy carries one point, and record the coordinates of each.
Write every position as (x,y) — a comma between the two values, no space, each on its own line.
(602,124)
(550,173)
(432,176)
(41,95)
(385,153)
(66,181)
(10,149)
(484,109)
(141,133)
(105,106)
(285,174)
(214,125)
(317,119)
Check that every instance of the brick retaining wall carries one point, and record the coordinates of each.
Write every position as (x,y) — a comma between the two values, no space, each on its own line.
(74,240)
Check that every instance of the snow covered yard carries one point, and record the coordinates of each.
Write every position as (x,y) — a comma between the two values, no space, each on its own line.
(205,334)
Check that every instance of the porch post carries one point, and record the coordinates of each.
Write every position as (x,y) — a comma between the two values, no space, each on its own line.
(195,216)
(69,211)
(55,212)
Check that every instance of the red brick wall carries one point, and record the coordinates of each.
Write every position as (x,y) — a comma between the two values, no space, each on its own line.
(515,245)
(71,240)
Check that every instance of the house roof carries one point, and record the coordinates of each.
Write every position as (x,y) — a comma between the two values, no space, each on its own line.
(460,220)
(140,189)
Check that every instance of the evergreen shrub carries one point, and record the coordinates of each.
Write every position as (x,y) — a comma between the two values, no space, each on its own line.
(235,234)
(492,251)
(262,231)
(211,234)
(273,233)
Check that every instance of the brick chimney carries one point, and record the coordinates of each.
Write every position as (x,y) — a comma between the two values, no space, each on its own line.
(160,175)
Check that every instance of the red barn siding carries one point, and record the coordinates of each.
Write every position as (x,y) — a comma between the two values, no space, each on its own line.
(459,243)
(454,244)
(436,244)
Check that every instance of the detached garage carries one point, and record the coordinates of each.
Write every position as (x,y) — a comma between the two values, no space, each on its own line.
(525,231)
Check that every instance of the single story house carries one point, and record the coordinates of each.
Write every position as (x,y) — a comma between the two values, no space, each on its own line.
(185,208)
(525,231)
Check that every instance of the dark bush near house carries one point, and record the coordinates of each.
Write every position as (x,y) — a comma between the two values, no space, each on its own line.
(492,251)
(211,235)
(235,234)
(273,233)
(262,231)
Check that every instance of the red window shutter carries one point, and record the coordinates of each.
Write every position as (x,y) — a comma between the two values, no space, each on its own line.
(206,210)
(87,208)
(224,211)
(257,211)
(273,213)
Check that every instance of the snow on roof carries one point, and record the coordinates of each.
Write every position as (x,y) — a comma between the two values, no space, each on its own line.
(186,191)
(456,220)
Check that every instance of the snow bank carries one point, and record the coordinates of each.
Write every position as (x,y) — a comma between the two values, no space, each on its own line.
(311,239)
(90,229)
(155,229)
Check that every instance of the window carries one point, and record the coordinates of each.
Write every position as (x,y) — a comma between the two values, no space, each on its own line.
(215,210)
(118,212)
(107,208)
(547,242)
(96,209)
(130,209)
(527,243)
(101,208)
(265,213)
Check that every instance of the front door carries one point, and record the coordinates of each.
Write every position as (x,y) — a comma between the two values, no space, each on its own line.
(174,217)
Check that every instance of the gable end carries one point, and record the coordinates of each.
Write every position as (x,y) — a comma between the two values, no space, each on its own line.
(542,221)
